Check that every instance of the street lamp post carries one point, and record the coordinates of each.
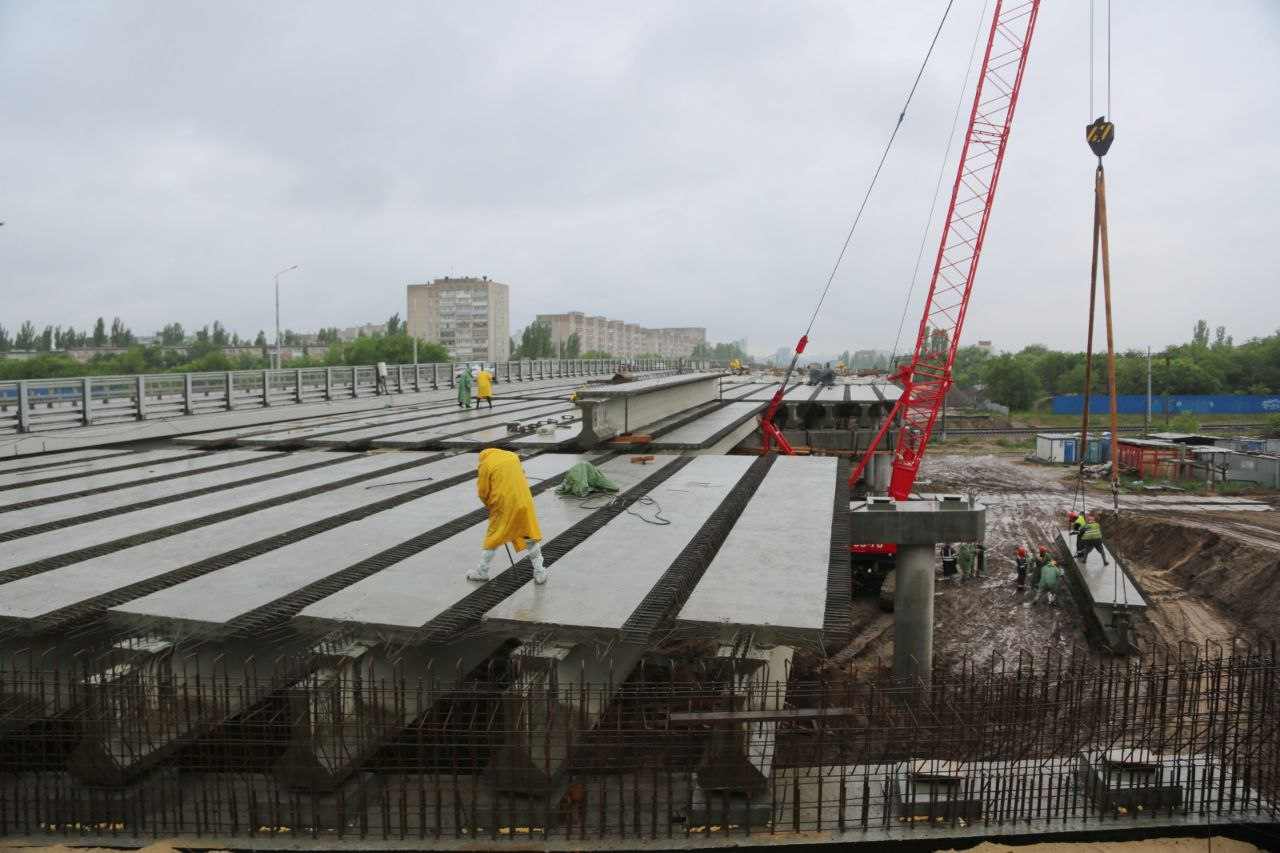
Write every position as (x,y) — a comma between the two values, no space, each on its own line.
(282,272)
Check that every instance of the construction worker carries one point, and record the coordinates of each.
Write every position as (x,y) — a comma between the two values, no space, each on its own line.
(1020,563)
(1049,575)
(504,491)
(484,388)
(948,560)
(1091,540)
(1078,523)
(464,389)
(965,557)
(1042,559)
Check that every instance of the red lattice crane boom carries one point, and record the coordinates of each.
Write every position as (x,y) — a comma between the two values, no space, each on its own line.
(927,378)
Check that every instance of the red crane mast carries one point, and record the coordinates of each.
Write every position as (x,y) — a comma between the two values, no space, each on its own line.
(927,378)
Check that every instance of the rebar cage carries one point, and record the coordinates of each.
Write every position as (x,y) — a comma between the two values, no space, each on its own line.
(344,746)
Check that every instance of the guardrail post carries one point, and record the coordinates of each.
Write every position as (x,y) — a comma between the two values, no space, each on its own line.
(186,394)
(297,385)
(435,376)
(142,397)
(355,392)
(231,384)
(24,416)
(266,387)
(453,375)
(399,378)
(328,383)
(417,378)
(86,399)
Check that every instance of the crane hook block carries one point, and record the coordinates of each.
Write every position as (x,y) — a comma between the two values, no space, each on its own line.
(1100,135)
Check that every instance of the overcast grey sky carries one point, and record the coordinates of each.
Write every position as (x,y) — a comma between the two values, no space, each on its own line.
(664,163)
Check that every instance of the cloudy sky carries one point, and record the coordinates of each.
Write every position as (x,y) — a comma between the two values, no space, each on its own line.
(664,163)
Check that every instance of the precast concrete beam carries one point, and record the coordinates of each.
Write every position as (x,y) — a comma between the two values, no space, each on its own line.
(740,758)
(612,410)
(358,695)
(559,694)
(913,615)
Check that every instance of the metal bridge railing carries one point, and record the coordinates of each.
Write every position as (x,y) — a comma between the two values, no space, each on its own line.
(38,405)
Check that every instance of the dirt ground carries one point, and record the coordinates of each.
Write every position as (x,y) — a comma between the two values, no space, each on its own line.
(1209,575)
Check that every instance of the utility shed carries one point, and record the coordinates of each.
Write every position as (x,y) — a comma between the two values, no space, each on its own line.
(1254,469)
(771,572)
(1057,447)
(1150,458)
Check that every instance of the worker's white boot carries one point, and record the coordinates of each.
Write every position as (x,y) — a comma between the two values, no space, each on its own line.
(539,568)
(481,572)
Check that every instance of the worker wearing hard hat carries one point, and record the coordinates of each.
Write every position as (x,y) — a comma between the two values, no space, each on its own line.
(1091,540)
(1020,563)
(504,491)
(484,388)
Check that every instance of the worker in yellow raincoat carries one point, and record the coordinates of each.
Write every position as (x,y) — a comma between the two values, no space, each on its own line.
(505,493)
(484,388)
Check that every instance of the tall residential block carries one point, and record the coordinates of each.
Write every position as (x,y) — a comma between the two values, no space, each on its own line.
(621,339)
(470,317)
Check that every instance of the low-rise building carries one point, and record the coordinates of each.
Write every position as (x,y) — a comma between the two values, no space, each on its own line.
(621,339)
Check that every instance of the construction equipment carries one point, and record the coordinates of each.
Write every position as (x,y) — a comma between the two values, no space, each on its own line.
(927,378)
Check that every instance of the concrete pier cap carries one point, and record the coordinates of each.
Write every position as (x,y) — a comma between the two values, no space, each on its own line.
(915,526)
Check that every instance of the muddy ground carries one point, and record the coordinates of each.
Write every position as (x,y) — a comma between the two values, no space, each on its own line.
(1208,575)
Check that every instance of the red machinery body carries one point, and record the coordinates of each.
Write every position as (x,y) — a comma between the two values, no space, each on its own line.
(927,379)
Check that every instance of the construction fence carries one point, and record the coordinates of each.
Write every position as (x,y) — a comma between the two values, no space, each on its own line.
(718,747)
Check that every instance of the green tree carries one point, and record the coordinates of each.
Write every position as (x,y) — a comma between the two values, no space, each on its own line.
(44,342)
(535,341)
(26,337)
(172,335)
(120,334)
(572,346)
(1200,335)
(100,333)
(596,354)
(219,335)
(1011,382)
(6,342)
(1184,422)
(394,326)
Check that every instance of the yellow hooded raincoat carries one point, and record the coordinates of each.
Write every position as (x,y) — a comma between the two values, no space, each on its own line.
(505,493)
(484,385)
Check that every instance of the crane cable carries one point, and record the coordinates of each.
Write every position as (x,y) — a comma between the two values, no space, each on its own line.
(902,114)
(937,189)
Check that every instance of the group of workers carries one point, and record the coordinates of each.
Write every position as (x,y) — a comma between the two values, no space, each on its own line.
(484,388)
(969,559)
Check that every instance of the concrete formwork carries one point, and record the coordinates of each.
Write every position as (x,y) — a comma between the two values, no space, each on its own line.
(24,465)
(158,466)
(431,436)
(453,421)
(709,428)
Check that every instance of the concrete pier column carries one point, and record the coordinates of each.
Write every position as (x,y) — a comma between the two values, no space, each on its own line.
(913,615)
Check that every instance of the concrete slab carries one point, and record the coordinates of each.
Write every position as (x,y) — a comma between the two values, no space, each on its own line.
(161,467)
(67,511)
(891,393)
(94,467)
(43,546)
(771,571)
(44,461)
(834,394)
(560,434)
(600,583)
(709,428)
(453,418)
(413,592)
(434,436)
(864,394)
(47,593)
(766,394)
(297,435)
(238,590)
(1107,585)
(747,390)
(222,437)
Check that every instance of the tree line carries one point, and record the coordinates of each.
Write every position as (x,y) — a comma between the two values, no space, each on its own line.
(173,350)
(1208,363)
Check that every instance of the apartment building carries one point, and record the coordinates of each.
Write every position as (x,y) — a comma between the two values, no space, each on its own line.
(470,317)
(622,339)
